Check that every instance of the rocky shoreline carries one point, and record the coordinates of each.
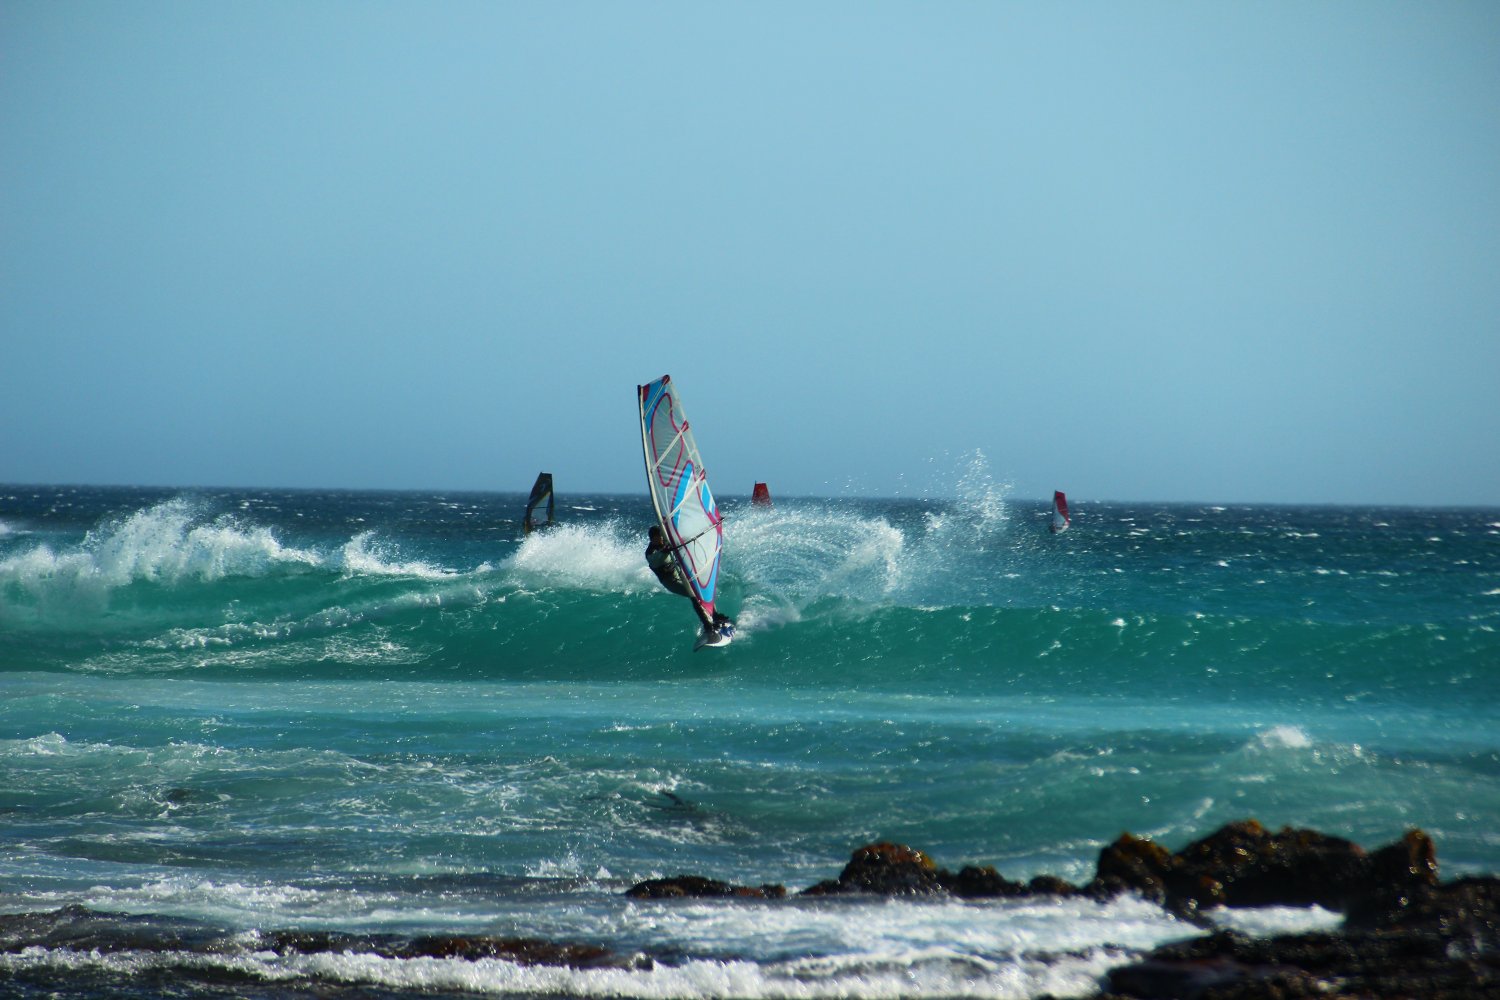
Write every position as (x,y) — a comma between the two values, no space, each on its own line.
(1406,934)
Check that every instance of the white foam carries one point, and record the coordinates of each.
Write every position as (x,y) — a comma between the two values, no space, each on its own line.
(568,866)
(806,554)
(163,543)
(190,896)
(1269,920)
(172,543)
(1290,737)
(792,948)
(1069,976)
(46,745)
(763,612)
(595,557)
(363,555)
(878,949)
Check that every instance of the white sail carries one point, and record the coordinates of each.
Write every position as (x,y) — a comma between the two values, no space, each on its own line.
(684,504)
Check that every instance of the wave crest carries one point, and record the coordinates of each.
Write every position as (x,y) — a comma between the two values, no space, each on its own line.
(165,543)
(176,541)
(597,557)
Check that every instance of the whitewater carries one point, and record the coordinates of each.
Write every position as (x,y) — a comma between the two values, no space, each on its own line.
(233,718)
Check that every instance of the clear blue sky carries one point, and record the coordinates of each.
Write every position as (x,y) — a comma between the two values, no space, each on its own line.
(1137,251)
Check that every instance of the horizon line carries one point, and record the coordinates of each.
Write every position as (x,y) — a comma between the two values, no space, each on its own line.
(1073,499)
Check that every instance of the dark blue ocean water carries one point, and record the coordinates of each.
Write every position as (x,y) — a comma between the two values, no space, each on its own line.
(226,714)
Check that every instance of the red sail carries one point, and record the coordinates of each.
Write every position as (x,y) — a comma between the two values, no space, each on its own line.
(762,496)
(1059,512)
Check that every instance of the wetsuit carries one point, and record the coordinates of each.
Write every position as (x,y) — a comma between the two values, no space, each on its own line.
(659,558)
(666,569)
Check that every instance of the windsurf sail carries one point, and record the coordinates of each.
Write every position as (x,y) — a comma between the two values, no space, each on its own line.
(761,497)
(685,506)
(1060,519)
(541,493)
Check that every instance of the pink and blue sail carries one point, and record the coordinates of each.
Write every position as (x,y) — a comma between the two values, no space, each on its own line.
(678,484)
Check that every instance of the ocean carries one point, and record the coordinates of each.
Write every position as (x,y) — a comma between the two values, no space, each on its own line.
(263,743)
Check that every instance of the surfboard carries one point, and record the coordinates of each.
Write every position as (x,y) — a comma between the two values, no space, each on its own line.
(1060,519)
(713,640)
(541,492)
(684,505)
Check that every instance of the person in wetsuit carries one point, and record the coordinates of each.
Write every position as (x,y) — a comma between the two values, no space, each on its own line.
(669,573)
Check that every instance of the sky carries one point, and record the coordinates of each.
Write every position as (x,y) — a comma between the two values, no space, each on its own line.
(1224,252)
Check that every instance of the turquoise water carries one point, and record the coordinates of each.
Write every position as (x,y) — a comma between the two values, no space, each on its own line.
(225,714)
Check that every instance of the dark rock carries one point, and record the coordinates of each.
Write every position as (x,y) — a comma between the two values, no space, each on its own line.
(1134,864)
(1405,936)
(1051,885)
(886,870)
(698,887)
(1201,978)
(827,887)
(1466,910)
(1252,867)
(1410,861)
(1371,966)
(79,928)
(973,882)
(309,942)
(522,951)
(1243,864)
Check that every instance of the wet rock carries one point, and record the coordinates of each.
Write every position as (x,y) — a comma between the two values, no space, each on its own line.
(1368,965)
(1244,864)
(1201,978)
(884,869)
(309,942)
(1466,910)
(1410,861)
(19,931)
(1406,935)
(1134,864)
(522,951)
(79,928)
(1051,885)
(698,887)
(973,882)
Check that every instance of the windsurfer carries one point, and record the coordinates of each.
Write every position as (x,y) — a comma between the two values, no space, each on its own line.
(659,558)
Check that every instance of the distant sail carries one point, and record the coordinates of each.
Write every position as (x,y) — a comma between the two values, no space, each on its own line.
(1060,519)
(762,496)
(684,505)
(541,493)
